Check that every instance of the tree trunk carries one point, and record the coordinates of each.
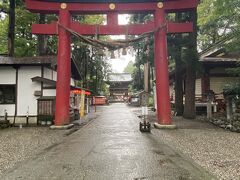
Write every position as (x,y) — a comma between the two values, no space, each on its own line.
(96,82)
(178,71)
(140,80)
(42,39)
(146,77)
(178,83)
(11,28)
(189,109)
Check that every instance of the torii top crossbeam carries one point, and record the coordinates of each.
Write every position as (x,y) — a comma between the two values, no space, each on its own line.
(112,10)
(101,6)
(66,8)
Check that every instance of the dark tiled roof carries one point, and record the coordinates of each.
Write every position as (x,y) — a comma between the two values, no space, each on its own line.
(218,59)
(52,82)
(44,80)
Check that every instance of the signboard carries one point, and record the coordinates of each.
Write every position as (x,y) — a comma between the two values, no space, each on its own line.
(144,99)
(82,104)
(101,1)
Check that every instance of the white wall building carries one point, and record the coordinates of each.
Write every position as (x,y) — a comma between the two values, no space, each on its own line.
(23,81)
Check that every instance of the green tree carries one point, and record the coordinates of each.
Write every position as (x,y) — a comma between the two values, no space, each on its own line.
(144,53)
(219,23)
(218,20)
(25,41)
(4,29)
(190,57)
(42,39)
(11,28)
(20,40)
(129,68)
(3,35)
(92,66)
(175,45)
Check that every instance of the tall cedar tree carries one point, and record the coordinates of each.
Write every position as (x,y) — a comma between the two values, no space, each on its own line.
(177,55)
(42,39)
(11,28)
(191,57)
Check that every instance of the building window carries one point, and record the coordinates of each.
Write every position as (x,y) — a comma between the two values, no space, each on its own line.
(7,94)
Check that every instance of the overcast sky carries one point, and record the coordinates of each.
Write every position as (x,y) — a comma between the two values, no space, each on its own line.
(119,64)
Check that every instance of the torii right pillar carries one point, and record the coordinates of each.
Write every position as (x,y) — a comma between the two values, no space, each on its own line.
(161,69)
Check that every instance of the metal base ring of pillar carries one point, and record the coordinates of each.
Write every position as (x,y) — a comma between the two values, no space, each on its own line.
(161,126)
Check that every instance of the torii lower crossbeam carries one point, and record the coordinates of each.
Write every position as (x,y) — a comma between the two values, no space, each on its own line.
(136,29)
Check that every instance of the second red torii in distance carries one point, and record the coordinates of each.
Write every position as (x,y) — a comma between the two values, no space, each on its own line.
(66,8)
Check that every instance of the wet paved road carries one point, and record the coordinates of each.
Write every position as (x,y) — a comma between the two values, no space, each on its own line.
(110,147)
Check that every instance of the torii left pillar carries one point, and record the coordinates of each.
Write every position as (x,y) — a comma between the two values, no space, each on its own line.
(63,70)
(162,77)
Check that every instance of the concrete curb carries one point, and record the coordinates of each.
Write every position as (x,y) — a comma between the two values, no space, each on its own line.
(160,126)
(84,120)
(63,127)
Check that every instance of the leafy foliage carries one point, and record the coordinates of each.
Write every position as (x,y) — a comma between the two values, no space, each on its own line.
(3,35)
(92,66)
(4,5)
(24,40)
(217,20)
(232,89)
(129,68)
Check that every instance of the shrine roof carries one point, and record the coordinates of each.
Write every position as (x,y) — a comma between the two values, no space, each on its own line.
(120,77)
(218,59)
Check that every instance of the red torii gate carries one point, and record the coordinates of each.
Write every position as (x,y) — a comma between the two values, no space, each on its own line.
(64,8)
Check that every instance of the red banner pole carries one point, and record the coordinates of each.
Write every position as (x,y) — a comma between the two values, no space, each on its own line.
(63,70)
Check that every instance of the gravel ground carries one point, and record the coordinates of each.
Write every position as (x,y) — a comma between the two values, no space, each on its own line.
(19,144)
(213,148)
